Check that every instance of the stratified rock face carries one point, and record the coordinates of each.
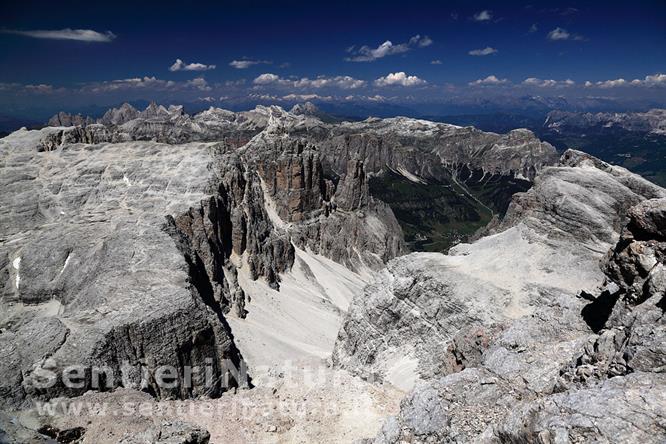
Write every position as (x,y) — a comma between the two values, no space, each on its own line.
(294,180)
(413,144)
(505,345)
(118,254)
(561,205)
(337,220)
(466,176)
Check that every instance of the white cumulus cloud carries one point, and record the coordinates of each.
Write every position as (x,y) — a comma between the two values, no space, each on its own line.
(559,34)
(490,80)
(562,34)
(246,63)
(179,65)
(342,82)
(483,16)
(198,83)
(399,78)
(483,52)
(367,54)
(267,79)
(549,83)
(82,35)
(649,81)
(653,80)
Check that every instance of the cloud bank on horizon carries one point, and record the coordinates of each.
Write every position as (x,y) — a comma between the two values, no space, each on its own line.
(427,54)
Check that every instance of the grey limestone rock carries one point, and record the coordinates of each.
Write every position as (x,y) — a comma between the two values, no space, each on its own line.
(547,361)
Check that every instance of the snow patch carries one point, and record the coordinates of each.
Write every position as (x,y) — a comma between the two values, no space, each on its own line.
(411,177)
(66,262)
(402,372)
(270,207)
(301,320)
(16,263)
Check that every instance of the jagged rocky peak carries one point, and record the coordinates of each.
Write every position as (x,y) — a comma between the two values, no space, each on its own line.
(66,119)
(118,116)
(155,111)
(307,108)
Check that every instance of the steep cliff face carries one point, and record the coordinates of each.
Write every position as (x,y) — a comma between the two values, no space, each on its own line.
(293,178)
(117,253)
(333,216)
(443,182)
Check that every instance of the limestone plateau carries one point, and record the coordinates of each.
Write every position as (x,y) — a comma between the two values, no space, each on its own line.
(156,238)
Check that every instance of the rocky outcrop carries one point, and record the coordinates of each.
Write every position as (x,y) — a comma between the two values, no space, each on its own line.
(171,432)
(498,340)
(556,208)
(307,108)
(92,133)
(614,389)
(422,303)
(107,262)
(353,192)
(629,313)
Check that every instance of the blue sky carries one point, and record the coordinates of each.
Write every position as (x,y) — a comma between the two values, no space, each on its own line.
(109,52)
